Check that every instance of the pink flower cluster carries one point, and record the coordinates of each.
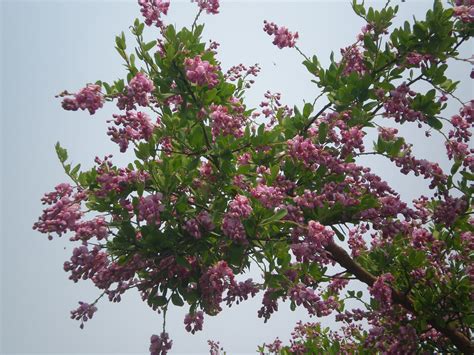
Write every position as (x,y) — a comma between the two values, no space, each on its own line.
(210,6)
(136,92)
(269,196)
(152,11)
(224,123)
(407,162)
(135,126)
(241,291)
(95,228)
(242,72)
(381,290)
(149,208)
(353,61)
(464,10)
(306,297)
(416,59)
(194,322)
(269,305)
(201,72)
(312,247)
(232,226)
(283,38)
(83,313)
(89,98)
(398,105)
(273,109)
(303,149)
(160,344)
(202,223)
(64,213)
(213,283)
(113,180)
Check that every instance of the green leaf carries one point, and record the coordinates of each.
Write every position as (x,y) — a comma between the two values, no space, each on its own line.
(276,217)
(149,45)
(322,132)
(434,122)
(61,152)
(307,110)
(177,300)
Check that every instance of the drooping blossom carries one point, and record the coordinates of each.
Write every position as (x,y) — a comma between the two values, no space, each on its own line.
(282,36)
(160,344)
(64,212)
(133,126)
(83,313)
(194,322)
(89,98)
(213,283)
(152,10)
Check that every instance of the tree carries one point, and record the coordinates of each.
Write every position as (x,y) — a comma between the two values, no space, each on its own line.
(213,191)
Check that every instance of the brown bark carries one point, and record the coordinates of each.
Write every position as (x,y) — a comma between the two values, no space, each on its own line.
(462,342)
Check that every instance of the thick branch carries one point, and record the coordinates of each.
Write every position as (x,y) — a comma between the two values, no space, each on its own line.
(345,260)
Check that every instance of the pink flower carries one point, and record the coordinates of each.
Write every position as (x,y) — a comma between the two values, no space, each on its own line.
(201,72)
(352,60)
(213,283)
(159,345)
(269,196)
(89,98)
(283,38)
(149,209)
(381,291)
(135,126)
(194,322)
(83,313)
(152,11)
(136,92)
(210,6)
(240,207)
(223,123)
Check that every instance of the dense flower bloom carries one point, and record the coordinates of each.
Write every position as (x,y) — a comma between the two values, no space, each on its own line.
(201,72)
(398,105)
(213,283)
(139,87)
(137,91)
(283,38)
(152,11)
(64,213)
(149,208)
(225,123)
(269,196)
(95,228)
(89,98)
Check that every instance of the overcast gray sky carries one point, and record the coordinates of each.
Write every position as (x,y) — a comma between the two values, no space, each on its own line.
(49,46)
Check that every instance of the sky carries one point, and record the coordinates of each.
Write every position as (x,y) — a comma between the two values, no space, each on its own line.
(49,46)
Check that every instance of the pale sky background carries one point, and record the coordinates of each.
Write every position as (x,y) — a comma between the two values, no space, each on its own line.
(49,46)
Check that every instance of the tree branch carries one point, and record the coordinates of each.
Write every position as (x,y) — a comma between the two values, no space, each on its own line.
(345,260)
